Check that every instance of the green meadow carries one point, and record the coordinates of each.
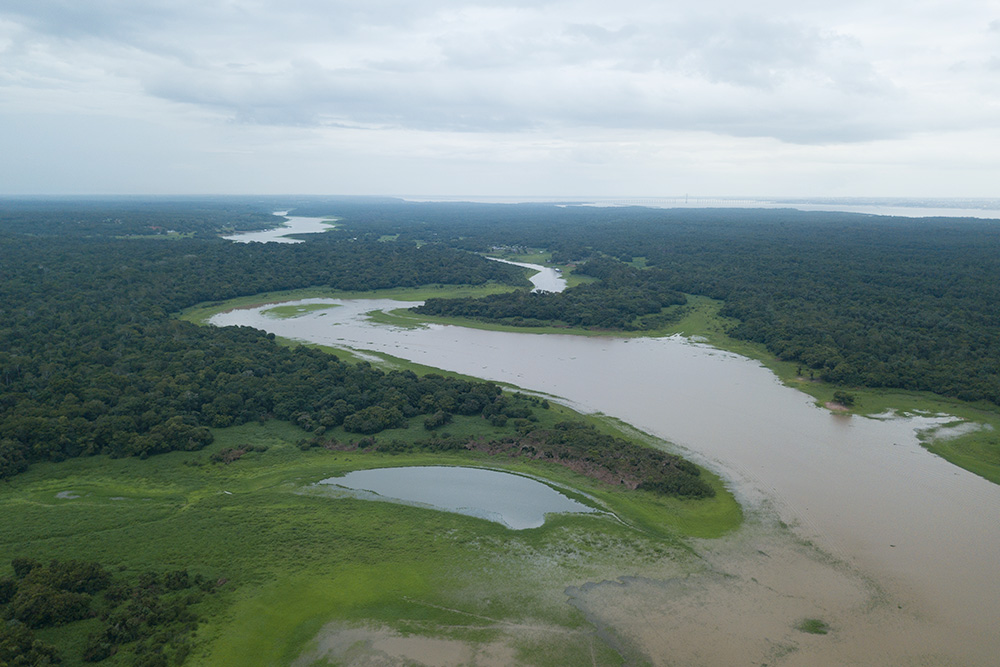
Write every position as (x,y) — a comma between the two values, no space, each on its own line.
(288,560)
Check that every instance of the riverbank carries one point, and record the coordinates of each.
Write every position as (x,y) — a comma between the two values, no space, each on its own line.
(784,456)
(976,450)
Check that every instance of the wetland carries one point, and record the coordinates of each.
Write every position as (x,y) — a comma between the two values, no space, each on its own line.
(920,540)
(151,447)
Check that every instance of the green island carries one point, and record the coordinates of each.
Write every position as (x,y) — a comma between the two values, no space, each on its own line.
(157,473)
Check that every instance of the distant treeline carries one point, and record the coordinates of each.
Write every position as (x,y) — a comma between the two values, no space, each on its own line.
(625,298)
(856,299)
(133,216)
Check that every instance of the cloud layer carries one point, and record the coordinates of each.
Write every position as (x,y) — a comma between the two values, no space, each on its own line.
(579,78)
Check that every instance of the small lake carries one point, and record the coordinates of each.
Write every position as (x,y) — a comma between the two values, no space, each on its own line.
(511,500)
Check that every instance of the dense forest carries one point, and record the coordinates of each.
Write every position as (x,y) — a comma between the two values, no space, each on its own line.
(133,216)
(151,613)
(625,298)
(93,363)
(858,299)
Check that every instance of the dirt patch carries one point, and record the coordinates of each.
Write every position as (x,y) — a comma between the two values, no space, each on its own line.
(342,644)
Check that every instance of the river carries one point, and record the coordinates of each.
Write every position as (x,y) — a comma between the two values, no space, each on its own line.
(862,489)
(918,536)
(292,225)
(544,279)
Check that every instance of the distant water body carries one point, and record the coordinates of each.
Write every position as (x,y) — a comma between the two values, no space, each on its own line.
(284,233)
(902,207)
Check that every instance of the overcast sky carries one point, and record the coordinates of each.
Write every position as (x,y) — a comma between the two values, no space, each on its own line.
(625,97)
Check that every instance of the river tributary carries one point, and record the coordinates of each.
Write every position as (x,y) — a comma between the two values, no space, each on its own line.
(292,225)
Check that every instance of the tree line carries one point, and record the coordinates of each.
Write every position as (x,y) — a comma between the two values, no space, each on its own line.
(856,299)
(625,299)
(92,361)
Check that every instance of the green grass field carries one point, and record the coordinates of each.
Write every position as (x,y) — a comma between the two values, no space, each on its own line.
(293,561)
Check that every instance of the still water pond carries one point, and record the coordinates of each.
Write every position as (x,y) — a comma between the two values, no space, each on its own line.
(512,500)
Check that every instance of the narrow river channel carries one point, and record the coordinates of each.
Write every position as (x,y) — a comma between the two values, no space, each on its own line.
(862,490)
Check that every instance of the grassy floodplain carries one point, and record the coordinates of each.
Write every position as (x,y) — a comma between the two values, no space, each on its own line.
(290,560)
(200,313)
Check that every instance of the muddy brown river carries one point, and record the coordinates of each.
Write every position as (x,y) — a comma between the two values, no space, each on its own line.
(906,544)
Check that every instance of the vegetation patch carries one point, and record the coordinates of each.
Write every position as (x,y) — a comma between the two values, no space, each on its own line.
(813,626)
(147,617)
(283,312)
(624,298)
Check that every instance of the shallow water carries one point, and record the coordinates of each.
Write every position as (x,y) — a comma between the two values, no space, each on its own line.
(511,500)
(862,489)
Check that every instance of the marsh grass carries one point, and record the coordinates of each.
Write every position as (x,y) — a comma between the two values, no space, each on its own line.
(813,626)
(284,312)
(288,562)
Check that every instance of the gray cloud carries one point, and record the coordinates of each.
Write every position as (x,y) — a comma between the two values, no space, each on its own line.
(745,77)
(796,73)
